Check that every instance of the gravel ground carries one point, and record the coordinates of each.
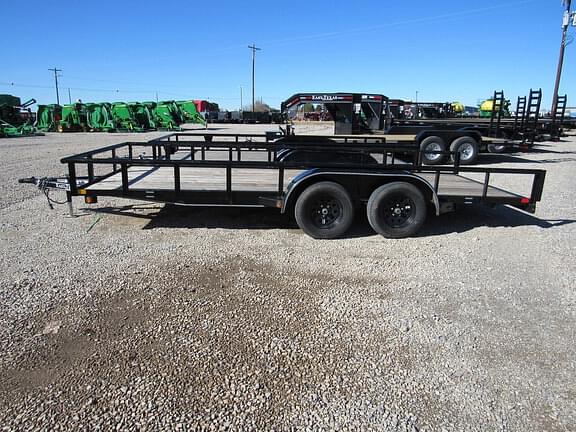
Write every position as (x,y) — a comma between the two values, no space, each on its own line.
(145,316)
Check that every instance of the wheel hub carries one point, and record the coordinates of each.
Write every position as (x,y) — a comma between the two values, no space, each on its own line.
(466,151)
(326,212)
(398,210)
(433,147)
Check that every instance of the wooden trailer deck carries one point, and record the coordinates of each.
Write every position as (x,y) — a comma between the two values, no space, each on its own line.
(144,178)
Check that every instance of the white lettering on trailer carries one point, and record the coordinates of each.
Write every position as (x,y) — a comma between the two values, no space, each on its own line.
(325,97)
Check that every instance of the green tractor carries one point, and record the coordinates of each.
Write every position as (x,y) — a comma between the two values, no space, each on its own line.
(74,118)
(191,114)
(99,117)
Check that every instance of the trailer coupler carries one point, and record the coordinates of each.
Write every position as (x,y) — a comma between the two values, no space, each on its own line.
(43,183)
(46,184)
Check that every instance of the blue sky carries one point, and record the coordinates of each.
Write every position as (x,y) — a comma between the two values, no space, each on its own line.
(446,50)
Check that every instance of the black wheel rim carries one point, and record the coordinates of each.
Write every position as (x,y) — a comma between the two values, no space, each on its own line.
(325,212)
(398,210)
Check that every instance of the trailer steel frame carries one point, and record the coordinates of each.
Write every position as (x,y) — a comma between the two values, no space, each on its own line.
(397,162)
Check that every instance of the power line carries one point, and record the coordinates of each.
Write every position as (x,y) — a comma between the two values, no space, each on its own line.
(14,84)
(120,92)
(371,29)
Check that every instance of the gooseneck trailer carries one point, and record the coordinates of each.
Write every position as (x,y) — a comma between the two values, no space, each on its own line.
(322,181)
(369,114)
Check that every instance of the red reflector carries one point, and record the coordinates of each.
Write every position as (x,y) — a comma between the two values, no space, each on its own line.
(524,200)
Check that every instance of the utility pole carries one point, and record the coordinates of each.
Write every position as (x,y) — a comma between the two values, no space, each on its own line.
(241,106)
(565,23)
(55,70)
(69,97)
(254,49)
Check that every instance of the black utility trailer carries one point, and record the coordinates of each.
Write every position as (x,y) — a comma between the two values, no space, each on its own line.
(369,114)
(323,181)
(525,125)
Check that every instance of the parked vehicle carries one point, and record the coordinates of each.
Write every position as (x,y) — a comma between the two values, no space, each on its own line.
(320,180)
(525,124)
(369,115)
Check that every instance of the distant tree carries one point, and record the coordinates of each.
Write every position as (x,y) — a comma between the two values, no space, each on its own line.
(308,107)
(258,107)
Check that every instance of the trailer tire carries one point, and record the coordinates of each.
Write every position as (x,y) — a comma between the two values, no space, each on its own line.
(468,149)
(324,210)
(432,143)
(396,210)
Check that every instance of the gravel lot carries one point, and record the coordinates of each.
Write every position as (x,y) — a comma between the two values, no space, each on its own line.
(145,316)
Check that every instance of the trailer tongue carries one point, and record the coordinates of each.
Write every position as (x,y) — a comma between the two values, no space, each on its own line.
(320,180)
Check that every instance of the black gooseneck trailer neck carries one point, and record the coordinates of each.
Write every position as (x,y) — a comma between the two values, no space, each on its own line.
(321,180)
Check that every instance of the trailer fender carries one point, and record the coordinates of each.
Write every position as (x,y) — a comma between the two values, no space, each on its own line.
(305,179)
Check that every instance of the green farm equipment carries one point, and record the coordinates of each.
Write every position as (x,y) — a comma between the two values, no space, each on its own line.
(151,106)
(16,118)
(124,118)
(73,118)
(176,111)
(9,100)
(143,116)
(14,112)
(167,114)
(117,116)
(99,117)
(190,112)
(48,117)
(8,130)
(487,107)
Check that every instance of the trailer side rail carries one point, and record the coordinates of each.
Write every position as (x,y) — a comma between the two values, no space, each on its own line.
(168,151)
